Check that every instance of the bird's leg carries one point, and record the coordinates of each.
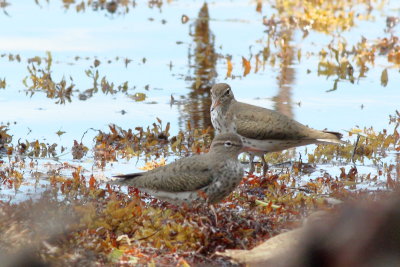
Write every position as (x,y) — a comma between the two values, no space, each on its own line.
(215,213)
(264,166)
(252,164)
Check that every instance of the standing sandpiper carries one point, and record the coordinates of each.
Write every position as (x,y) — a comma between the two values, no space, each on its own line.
(208,177)
(261,129)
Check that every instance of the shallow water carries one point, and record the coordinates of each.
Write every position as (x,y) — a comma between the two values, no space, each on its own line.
(172,59)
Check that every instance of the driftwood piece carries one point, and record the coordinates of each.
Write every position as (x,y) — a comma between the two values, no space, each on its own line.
(277,246)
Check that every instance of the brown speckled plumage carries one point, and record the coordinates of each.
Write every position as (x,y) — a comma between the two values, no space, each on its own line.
(263,124)
(262,129)
(216,173)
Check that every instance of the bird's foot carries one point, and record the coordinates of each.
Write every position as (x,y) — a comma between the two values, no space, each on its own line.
(214,213)
(265,166)
(252,164)
(252,167)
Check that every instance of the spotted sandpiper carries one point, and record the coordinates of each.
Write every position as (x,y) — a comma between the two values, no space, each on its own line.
(262,130)
(207,177)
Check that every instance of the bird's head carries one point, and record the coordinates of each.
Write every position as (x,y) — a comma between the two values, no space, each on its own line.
(221,94)
(227,143)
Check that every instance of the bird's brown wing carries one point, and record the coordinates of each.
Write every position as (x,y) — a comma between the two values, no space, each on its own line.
(265,124)
(187,174)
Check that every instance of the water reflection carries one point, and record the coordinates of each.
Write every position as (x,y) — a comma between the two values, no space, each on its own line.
(283,102)
(202,64)
(202,60)
(3,5)
(40,80)
(112,7)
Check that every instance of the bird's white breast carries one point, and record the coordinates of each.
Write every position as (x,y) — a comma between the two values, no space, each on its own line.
(173,197)
(220,123)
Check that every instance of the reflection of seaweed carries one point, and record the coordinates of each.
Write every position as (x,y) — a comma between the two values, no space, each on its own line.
(322,16)
(41,81)
(5,138)
(338,60)
(205,58)
(105,86)
(3,83)
(3,5)
(119,7)
(111,6)
(34,149)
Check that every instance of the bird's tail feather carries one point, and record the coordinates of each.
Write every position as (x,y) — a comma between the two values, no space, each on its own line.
(120,179)
(338,135)
(330,138)
(128,176)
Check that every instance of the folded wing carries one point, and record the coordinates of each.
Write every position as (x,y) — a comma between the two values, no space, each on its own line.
(265,124)
(187,174)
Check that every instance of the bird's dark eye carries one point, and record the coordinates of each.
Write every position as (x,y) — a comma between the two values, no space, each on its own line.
(228,144)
